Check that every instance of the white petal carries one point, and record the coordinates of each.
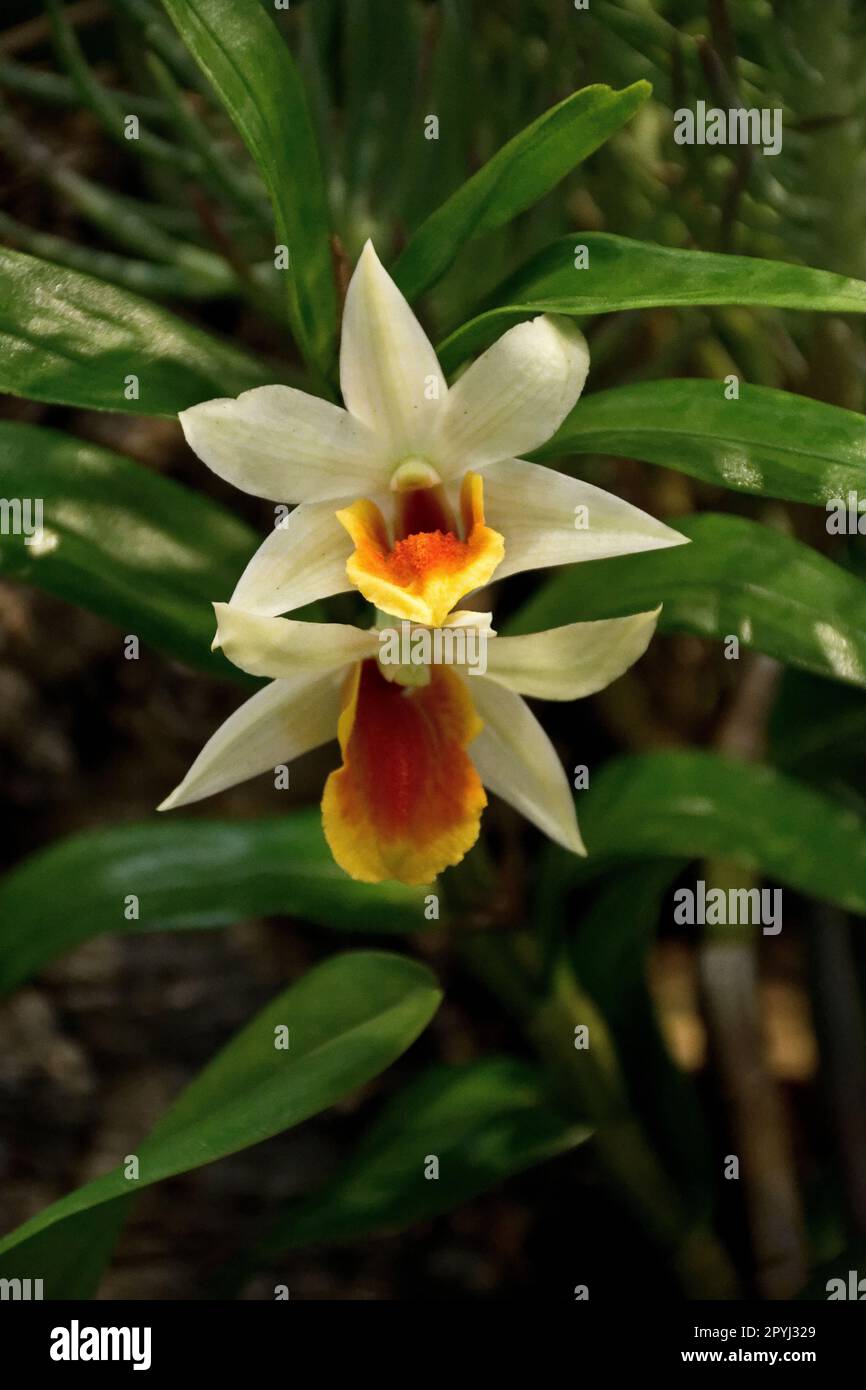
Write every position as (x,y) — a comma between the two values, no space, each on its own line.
(284,647)
(280,443)
(287,718)
(513,397)
(516,760)
(468,617)
(302,560)
(567,663)
(535,509)
(389,374)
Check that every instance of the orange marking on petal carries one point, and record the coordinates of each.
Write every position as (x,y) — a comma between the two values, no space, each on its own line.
(423,575)
(407,801)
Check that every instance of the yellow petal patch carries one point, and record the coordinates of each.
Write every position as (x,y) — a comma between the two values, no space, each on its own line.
(407,801)
(423,575)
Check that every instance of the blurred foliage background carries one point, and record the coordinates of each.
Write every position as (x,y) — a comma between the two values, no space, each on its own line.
(604,1168)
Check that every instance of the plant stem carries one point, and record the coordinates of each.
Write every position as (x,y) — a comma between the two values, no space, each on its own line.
(56,90)
(590,1084)
(729,975)
(103,103)
(218,169)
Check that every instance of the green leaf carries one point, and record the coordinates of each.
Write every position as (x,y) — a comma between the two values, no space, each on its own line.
(348,1019)
(238,48)
(382,136)
(186,874)
(625,274)
(736,578)
(515,178)
(484,1121)
(697,805)
(817,729)
(610,946)
(121,541)
(71,1257)
(452,85)
(771,443)
(74,340)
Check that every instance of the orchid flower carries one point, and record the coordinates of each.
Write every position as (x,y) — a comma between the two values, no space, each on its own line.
(392,471)
(418,748)
(389,475)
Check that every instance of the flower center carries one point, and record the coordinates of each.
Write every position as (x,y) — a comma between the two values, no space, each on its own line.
(414,473)
(423,510)
(429,564)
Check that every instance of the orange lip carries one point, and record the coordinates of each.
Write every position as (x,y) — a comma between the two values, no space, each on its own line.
(407,801)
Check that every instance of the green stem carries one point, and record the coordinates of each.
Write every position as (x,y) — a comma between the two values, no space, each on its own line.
(162,38)
(160,281)
(56,90)
(216,169)
(122,222)
(589,1082)
(103,103)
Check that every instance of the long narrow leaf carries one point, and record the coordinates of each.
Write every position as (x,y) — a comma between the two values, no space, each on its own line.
(483,1122)
(347,1020)
(186,874)
(121,541)
(697,805)
(624,274)
(515,178)
(238,48)
(771,443)
(73,340)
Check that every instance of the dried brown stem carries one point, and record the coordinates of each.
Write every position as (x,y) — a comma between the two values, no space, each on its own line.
(729,977)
